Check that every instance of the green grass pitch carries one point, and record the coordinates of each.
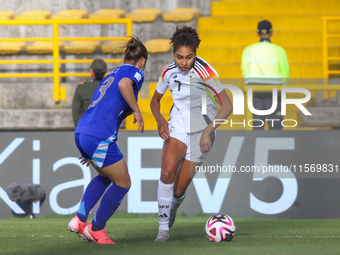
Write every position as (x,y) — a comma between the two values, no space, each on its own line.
(134,234)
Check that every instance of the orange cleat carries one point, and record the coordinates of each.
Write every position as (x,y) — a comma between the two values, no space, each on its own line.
(100,236)
(77,226)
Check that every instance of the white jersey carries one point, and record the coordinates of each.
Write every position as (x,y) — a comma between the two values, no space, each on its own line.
(187,89)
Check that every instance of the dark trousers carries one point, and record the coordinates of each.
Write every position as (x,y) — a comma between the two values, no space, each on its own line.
(264,101)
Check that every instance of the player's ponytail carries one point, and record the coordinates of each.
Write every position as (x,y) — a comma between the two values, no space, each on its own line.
(99,74)
(135,50)
(185,36)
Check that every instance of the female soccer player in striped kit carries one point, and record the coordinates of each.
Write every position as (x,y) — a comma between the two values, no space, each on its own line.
(188,136)
(96,135)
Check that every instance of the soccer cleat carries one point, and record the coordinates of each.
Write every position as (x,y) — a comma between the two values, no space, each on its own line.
(77,226)
(172,218)
(99,236)
(162,236)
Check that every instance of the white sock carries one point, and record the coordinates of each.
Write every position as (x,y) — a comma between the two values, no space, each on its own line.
(176,202)
(165,192)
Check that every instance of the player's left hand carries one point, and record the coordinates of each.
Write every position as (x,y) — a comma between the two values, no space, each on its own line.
(205,142)
(139,119)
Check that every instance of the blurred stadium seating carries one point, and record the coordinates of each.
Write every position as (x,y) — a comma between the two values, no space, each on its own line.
(81,47)
(71,14)
(297,27)
(42,47)
(6,15)
(158,45)
(181,14)
(10,48)
(144,15)
(108,14)
(34,14)
(229,28)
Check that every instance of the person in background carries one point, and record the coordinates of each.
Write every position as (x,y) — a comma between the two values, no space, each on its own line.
(265,63)
(84,91)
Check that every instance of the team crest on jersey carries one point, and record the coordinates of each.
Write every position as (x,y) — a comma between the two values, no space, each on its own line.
(191,75)
(138,76)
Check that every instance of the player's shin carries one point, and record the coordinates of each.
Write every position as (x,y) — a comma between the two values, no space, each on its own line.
(165,196)
(176,202)
(108,205)
(92,194)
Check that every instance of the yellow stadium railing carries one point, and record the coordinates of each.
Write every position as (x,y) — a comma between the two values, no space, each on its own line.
(59,92)
(325,46)
(269,88)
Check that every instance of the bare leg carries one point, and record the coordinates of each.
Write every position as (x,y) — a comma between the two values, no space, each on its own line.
(118,173)
(173,154)
(183,178)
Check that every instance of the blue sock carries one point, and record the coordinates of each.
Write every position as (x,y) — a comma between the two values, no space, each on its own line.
(109,204)
(92,194)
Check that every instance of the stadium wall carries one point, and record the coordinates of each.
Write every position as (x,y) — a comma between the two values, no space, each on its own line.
(290,174)
(20,96)
(144,30)
(19,6)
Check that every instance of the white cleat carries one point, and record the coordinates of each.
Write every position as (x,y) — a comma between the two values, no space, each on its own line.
(163,236)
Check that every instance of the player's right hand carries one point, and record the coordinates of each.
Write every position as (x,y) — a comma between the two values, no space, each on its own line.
(163,129)
(84,161)
(139,119)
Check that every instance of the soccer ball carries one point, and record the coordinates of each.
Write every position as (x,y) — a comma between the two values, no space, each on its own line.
(220,227)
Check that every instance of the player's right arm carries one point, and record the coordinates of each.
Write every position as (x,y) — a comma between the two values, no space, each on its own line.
(155,105)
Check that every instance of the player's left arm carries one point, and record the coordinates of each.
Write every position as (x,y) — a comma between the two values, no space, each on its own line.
(126,89)
(223,113)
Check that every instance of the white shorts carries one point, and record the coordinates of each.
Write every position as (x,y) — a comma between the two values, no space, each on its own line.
(191,140)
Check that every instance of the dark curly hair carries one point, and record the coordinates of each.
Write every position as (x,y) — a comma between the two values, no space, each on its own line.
(185,36)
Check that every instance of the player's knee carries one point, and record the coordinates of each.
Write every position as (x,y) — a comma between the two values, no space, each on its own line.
(167,176)
(124,183)
(128,184)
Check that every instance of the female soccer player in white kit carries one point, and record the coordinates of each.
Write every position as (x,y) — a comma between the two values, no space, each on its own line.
(188,136)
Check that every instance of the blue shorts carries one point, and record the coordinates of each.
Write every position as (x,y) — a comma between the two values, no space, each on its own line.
(101,153)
